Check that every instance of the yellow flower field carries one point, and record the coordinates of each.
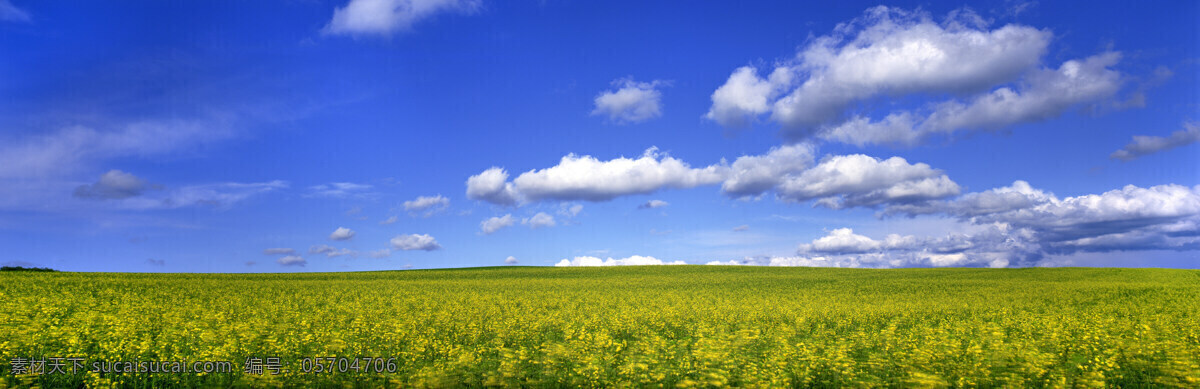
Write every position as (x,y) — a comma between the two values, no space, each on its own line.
(669,326)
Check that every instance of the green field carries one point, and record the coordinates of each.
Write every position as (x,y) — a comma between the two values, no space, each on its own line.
(677,326)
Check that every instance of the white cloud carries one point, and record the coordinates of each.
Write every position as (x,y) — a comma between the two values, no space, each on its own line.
(279,251)
(342,233)
(114,184)
(491,186)
(587,178)
(381,253)
(385,17)
(292,260)
(635,260)
(10,13)
(428,204)
(752,175)
(1161,217)
(539,220)
(415,242)
(331,252)
(1143,145)
(653,204)
(859,180)
(745,96)
(341,190)
(887,51)
(570,210)
(389,220)
(511,260)
(632,102)
(495,223)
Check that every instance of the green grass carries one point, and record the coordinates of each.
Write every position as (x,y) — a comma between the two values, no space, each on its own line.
(631,326)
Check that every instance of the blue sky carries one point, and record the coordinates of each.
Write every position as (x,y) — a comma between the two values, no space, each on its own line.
(386,134)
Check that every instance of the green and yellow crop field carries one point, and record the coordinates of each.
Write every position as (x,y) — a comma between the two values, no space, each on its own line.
(670,326)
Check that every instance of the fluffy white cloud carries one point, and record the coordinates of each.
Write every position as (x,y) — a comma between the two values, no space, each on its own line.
(1143,145)
(10,12)
(1045,93)
(495,223)
(859,180)
(415,242)
(539,220)
(114,184)
(279,251)
(631,102)
(292,260)
(587,178)
(752,175)
(384,17)
(1131,218)
(342,233)
(511,260)
(653,204)
(744,96)
(492,186)
(427,204)
(887,51)
(636,260)
(341,190)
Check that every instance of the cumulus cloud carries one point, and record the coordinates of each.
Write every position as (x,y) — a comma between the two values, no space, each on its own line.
(292,260)
(427,204)
(1161,217)
(1143,145)
(653,204)
(385,17)
(410,242)
(495,223)
(511,260)
(636,260)
(10,12)
(752,175)
(887,51)
(341,233)
(539,220)
(859,180)
(590,179)
(341,190)
(745,96)
(279,251)
(631,102)
(492,186)
(893,53)
(114,184)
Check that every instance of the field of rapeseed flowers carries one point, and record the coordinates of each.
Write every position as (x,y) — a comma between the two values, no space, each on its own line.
(676,326)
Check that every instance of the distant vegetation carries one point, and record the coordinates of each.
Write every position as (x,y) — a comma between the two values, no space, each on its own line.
(669,326)
(22,268)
